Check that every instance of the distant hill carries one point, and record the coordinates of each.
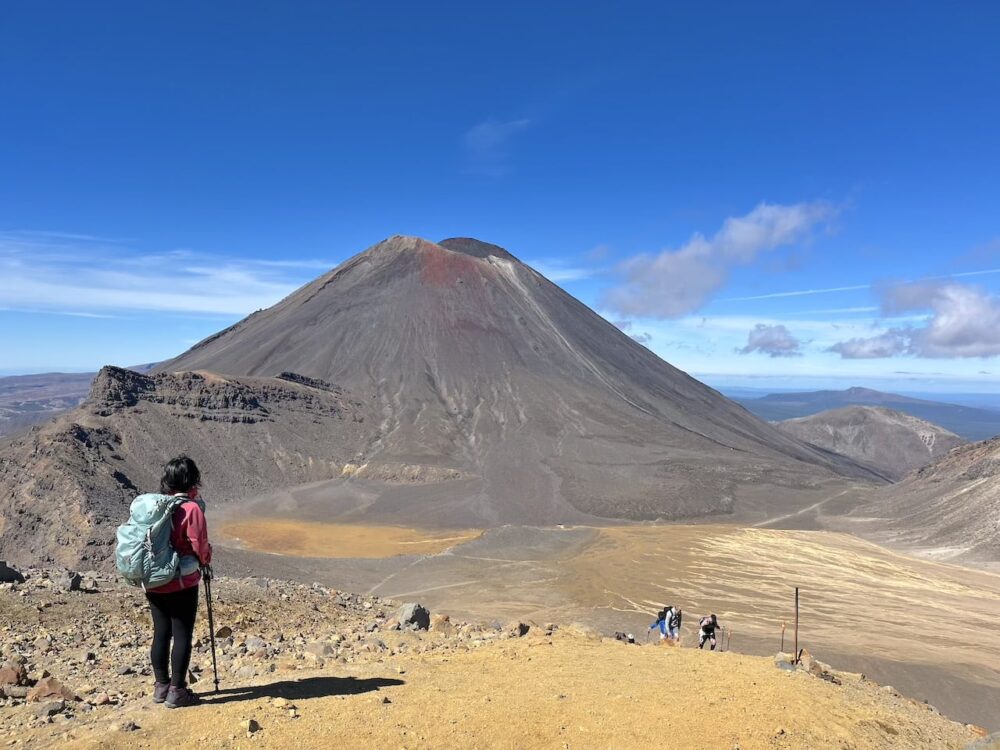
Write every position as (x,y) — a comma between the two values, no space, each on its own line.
(890,441)
(950,509)
(27,400)
(966,421)
(30,399)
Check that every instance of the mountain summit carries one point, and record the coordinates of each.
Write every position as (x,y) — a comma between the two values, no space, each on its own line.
(476,364)
(420,384)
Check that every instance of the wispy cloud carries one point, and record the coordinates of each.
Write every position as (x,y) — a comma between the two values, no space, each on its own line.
(852,288)
(487,146)
(678,281)
(68,313)
(90,276)
(556,270)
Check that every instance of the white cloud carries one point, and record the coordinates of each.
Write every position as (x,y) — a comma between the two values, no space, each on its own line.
(963,321)
(487,146)
(773,340)
(74,275)
(676,282)
(891,343)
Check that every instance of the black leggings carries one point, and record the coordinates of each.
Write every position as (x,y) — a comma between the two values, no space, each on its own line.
(173,616)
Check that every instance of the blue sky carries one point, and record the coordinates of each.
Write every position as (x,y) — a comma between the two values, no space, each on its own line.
(688,171)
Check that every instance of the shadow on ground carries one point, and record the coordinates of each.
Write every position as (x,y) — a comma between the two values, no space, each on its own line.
(312,687)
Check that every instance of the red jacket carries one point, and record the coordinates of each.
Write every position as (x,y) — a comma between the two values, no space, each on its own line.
(189,537)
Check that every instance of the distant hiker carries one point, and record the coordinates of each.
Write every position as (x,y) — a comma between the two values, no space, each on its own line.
(674,625)
(163,548)
(707,626)
(662,623)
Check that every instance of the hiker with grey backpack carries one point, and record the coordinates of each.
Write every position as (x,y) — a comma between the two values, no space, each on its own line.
(164,549)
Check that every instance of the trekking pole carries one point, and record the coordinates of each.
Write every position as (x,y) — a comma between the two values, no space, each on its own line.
(211,623)
(782,649)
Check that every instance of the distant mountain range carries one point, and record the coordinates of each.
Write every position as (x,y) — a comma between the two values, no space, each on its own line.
(966,421)
(27,400)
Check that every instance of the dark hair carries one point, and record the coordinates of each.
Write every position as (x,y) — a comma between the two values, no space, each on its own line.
(180,475)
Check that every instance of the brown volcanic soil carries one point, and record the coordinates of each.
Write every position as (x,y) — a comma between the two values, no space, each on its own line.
(948,510)
(929,629)
(891,442)
(458,685)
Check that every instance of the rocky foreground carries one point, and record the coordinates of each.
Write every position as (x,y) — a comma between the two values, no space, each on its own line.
(309,666)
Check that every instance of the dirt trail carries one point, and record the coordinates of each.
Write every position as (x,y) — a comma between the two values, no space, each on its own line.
(864,608)
(566,691)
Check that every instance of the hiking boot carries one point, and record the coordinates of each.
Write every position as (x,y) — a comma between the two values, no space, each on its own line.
(180,697)
(160,690)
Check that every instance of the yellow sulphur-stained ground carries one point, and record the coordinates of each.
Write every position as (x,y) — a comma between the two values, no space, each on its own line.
(311,539)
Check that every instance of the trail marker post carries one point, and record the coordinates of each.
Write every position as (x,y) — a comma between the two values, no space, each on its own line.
(796,625)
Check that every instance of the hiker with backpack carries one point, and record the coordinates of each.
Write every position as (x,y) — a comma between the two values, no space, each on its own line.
(707,626)
(662,623)
(674,625)
(163,548)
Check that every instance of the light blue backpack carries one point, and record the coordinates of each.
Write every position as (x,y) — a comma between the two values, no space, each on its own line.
(144,556)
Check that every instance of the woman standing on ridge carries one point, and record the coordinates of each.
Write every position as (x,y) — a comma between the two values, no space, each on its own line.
(174,605)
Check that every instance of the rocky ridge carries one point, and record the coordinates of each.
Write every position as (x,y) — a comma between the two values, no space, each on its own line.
(74,673)
(65,486)
(891,442)
(949,509)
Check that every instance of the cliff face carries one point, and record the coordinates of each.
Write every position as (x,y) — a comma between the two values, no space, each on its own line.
(65,486)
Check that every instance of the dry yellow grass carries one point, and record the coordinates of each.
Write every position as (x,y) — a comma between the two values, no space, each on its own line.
(309,539)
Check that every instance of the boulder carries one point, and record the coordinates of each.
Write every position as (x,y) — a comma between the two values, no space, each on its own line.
(50,688)
(12,673)
(320,649)
(9,574)
(50,708)
(442,624)
(785,662)
(414,614)
(68,580)
(254,643)
(518,629)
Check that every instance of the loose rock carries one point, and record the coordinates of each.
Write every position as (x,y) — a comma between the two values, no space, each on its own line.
(414,614)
